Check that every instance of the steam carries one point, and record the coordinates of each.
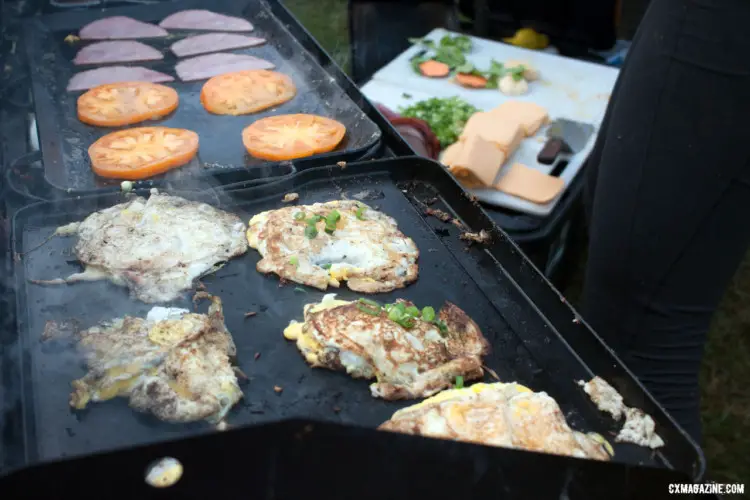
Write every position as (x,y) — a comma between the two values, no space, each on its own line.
(50,366)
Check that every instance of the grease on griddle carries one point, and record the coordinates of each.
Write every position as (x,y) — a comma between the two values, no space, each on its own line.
(368,195)
(482,237)
(54,330)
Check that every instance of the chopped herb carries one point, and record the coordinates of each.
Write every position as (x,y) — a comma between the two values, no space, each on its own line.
(517,73)
(441,326)
(428,314)
(299,289)
(369,307)
(326,266)
(331,219)
(293,260)
(299,216)
(445,116)
(405,321)
(406,96)
(449,50)
(315,219)
(394,314)
(311,231)
(369,302)
(360,213)
(412,311)
(459,382)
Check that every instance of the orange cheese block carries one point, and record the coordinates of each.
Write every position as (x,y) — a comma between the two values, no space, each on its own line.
(450,154)
(529,184)
(531,116)
(505,132)
(480,157)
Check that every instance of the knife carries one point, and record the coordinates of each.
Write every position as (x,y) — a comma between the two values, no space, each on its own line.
(564,136)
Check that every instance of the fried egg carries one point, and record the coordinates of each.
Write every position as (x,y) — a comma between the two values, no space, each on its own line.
(324,244)
(174,364)
(407,363)
(155,247)
(506,415)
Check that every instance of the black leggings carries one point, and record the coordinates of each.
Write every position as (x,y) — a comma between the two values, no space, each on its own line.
(668,194)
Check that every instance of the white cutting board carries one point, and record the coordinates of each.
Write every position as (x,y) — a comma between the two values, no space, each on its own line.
(568,88)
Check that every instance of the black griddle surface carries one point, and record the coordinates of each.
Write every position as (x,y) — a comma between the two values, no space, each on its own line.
(64,140)
(525,347)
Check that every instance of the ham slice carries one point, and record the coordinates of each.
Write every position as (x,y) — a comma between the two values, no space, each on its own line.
(112,74)
(208,66)
(116,51)
(120,27)
(213,42)
(204,20)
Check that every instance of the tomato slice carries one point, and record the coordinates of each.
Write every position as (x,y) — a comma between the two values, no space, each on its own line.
(138,153)
(244,92)
(125,103)
(286,137)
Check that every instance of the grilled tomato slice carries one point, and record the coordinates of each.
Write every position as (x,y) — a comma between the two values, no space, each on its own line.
(244,92)
(124,103)
(138,153)
(286,137)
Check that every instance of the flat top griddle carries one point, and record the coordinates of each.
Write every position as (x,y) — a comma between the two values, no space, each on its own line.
(64,140)
(528,346)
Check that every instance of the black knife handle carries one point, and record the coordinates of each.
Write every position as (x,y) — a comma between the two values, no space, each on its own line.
(552,150)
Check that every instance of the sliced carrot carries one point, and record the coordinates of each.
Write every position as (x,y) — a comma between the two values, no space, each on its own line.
(434,69)
(286,137)
(142,152)
(244,92)
(125,103)
(471,81)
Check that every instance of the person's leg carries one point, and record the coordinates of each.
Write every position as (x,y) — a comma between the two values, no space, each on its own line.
(667,222)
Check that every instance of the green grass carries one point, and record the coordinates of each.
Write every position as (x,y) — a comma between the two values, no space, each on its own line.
(725,378)
(327,20)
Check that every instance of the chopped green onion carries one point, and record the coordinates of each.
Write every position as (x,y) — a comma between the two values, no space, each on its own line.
(369,307)
(395,315)
(333,216)
(369,302)
(412,311)
(311,231)
(326,266)
(360,213)
(299,289)
(299,216)
(405,321)
(293,260)
(441,326)
(459,382)
(445,116)
(428,314)
(331,220)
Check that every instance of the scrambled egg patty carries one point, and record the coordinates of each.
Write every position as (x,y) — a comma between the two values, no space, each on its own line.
(173,364)
(507,415)
(323,244)
(408,363)
(155,247)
